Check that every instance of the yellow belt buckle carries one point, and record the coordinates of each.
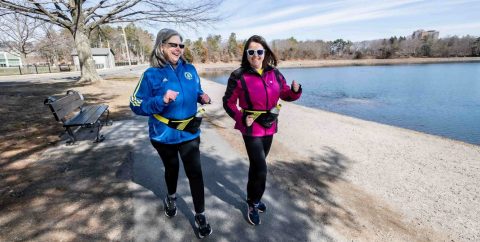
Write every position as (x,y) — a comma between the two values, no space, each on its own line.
(183,124)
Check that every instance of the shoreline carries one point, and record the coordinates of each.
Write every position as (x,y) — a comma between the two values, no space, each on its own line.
(361,155)
(221,66)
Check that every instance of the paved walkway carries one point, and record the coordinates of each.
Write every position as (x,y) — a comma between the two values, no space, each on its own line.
(225,176)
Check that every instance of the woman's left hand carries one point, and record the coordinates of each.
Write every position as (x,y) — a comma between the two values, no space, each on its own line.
(295,86)
(205,99)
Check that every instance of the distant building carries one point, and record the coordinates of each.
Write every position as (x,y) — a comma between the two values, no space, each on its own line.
(9,60)
(425,35)
(103,57)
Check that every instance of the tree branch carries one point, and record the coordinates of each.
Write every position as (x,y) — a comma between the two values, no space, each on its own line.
(120,8)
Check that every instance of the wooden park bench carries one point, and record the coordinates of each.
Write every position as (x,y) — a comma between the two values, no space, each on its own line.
(72,112)
(64,68)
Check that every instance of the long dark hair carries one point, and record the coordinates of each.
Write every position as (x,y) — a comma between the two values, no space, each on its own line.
(269,59)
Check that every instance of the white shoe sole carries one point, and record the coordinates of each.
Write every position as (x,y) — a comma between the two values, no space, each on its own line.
(249,220)
(198,229)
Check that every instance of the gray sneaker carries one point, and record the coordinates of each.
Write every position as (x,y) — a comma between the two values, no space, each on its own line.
(170,206)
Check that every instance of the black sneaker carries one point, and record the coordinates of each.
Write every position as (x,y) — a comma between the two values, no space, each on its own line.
(204,228)
(170,206)
(252,214)
(261,207)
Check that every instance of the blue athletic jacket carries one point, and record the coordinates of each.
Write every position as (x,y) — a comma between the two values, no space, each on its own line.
(147,100)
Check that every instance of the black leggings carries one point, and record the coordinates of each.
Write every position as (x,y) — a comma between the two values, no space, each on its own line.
(257,149)
(190,153)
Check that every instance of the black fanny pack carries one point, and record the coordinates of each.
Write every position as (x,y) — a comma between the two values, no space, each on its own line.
(265,119)
(192,126)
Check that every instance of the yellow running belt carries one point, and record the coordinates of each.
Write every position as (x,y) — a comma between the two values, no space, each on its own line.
(183,123)
(256,114)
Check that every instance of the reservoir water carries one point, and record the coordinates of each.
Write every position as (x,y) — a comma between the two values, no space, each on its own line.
(440,99)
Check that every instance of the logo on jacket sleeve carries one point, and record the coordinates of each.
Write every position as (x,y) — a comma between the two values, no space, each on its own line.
(165,80)
(188,75)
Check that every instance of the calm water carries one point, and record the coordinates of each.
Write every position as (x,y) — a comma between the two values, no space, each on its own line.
(440,99)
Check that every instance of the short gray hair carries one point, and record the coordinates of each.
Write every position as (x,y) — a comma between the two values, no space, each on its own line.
(157,58)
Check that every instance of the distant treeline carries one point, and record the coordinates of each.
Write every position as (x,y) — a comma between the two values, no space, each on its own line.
(213,49)
(53,45)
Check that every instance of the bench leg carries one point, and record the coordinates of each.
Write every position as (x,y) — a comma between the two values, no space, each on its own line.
(71,135)
(107,121)
(99,138)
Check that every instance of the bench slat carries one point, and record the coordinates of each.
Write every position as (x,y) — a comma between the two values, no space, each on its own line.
(66,105)
(94,113)
(90,115)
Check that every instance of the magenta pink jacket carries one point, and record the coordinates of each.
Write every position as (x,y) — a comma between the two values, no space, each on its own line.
(255,92)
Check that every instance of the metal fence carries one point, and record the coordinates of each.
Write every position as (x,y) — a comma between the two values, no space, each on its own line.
(34,69)
(46,68)
(125,63)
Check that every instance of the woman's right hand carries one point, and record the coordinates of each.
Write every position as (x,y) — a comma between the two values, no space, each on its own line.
(249,120)
(170,96)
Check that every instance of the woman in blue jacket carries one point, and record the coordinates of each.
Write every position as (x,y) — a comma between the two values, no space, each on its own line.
(168,93)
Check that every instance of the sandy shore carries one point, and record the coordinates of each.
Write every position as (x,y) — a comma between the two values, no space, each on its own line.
(382,183)
(202,67)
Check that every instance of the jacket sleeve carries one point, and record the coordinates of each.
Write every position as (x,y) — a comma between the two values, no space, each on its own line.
(199,88)
(142,102)
(286,92)
(231,97)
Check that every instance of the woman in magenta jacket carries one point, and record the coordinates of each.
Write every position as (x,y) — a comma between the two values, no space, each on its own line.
(257,86)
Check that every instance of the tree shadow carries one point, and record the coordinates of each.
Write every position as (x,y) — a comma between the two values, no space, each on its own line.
(70,194)
(311,180)
(295,189)
(27,125)
(55,192)
(145,168)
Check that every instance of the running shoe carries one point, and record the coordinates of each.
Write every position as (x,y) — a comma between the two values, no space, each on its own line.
(252,214)
(170,206)
(261,207)
(204,228)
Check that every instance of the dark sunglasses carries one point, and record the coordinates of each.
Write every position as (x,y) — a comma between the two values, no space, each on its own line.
(175,45)
(251,52)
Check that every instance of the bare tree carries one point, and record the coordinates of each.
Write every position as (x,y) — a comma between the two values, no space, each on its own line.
(18,32)
(80,17)
(50,45)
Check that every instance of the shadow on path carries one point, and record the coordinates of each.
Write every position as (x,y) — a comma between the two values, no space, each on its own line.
(288,217)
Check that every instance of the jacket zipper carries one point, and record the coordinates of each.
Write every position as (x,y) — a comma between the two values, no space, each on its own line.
(266,97)
(181,87)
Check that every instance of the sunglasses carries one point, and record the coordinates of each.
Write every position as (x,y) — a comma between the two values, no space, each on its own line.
(259,52)
(175,45)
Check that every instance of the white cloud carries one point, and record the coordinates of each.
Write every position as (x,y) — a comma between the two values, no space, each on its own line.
(351,13)
(282,19)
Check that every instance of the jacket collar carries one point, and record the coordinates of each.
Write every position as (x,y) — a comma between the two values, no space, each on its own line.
(253,71)
(180,64)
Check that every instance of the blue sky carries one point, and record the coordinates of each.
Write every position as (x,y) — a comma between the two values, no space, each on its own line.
(348,19)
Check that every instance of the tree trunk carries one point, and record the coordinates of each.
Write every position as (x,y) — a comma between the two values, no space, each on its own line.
(23,58)
(87,65)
